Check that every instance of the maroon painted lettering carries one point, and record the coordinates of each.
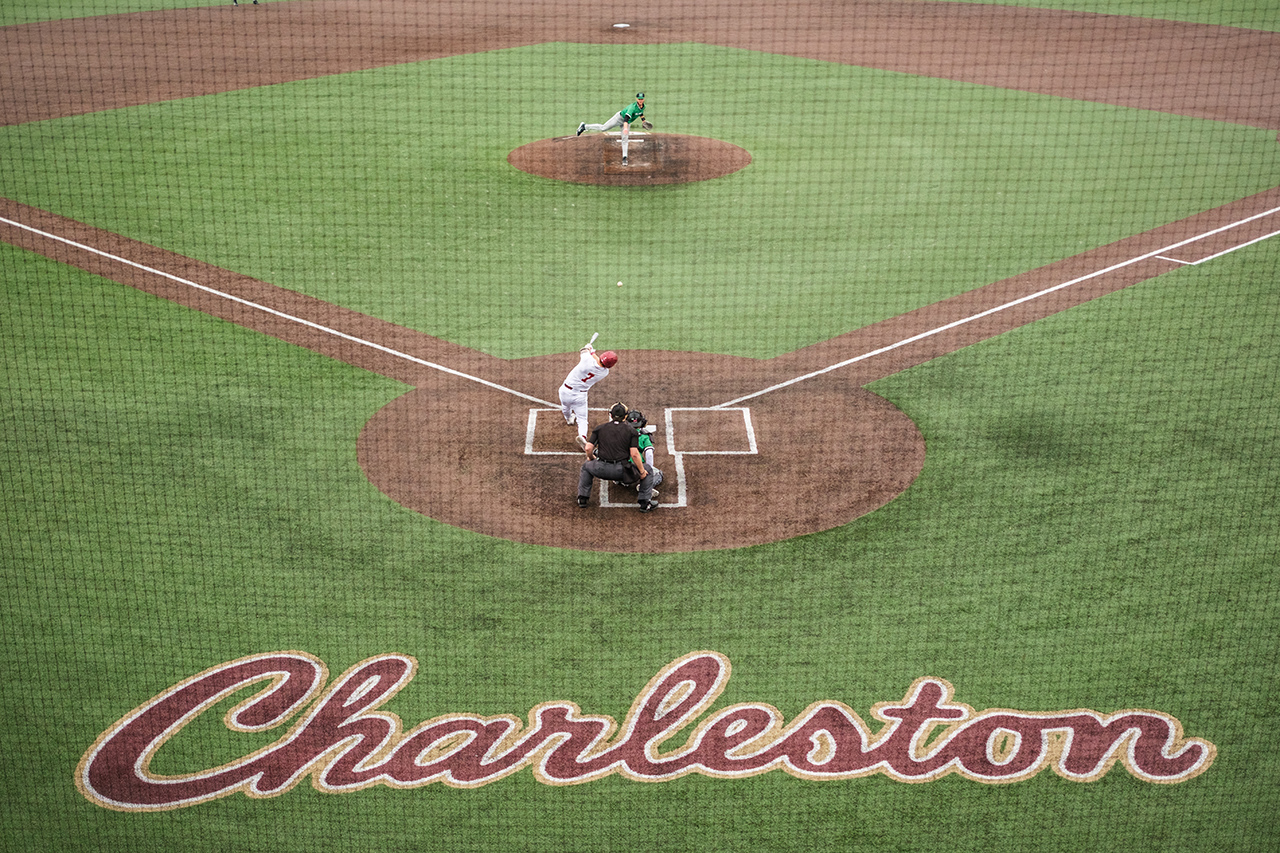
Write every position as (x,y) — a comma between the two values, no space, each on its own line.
(115,771)
(343,739)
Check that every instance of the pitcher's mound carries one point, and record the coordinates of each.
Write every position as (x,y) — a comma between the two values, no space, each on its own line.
(652,159)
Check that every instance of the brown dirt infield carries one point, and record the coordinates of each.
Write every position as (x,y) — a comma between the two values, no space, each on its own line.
(825,459)
(829,450)
(653,159)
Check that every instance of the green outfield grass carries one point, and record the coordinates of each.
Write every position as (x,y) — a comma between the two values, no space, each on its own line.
(1094,527)
(1249,14)
(388,192)
(1254,14)
(15,12)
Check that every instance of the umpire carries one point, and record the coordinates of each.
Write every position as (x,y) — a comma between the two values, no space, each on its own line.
(619,450)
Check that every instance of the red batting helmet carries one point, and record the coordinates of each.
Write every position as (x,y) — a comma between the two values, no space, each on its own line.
(608,358)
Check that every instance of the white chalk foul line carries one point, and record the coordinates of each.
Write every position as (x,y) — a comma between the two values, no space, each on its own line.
(1223,252)
(863,357)
(281,314)
(1038,294)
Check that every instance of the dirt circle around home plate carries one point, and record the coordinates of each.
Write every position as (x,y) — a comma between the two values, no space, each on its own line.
(802,460)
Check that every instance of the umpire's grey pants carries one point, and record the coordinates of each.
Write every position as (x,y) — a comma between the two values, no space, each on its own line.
(615,471)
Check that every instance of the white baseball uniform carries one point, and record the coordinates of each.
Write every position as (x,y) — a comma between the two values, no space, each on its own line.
(573,391)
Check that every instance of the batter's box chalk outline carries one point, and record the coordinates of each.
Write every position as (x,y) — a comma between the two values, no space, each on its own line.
(752,450)
(532,427)
(673,448)
(677,455)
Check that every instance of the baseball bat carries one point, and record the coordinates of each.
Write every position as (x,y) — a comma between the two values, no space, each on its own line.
(593,339)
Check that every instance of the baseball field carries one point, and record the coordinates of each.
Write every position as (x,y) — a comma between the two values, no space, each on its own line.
(959,323)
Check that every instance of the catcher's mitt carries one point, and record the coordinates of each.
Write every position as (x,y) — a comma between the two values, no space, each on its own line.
(646,124)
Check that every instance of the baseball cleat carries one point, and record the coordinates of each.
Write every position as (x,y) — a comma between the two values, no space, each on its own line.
(624,161)
(582,502)
(581,127)
(582,442)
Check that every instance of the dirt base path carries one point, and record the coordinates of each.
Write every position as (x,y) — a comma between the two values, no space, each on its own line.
(62,68)
(758,440)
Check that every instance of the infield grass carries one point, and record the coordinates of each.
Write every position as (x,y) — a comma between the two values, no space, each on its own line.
(388,192)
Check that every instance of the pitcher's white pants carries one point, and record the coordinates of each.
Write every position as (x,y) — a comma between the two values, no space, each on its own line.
(616,121)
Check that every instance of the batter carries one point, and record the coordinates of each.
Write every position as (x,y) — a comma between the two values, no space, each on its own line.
(591,369)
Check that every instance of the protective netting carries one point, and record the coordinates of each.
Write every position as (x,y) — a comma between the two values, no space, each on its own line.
(957,326)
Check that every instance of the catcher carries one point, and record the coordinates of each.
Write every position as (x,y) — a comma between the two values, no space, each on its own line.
(636,419)
(624,117)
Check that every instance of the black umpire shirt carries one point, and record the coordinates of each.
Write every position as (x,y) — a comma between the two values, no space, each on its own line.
(613,441)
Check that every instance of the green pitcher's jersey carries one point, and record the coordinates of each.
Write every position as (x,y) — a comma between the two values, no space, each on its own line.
(633,112)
